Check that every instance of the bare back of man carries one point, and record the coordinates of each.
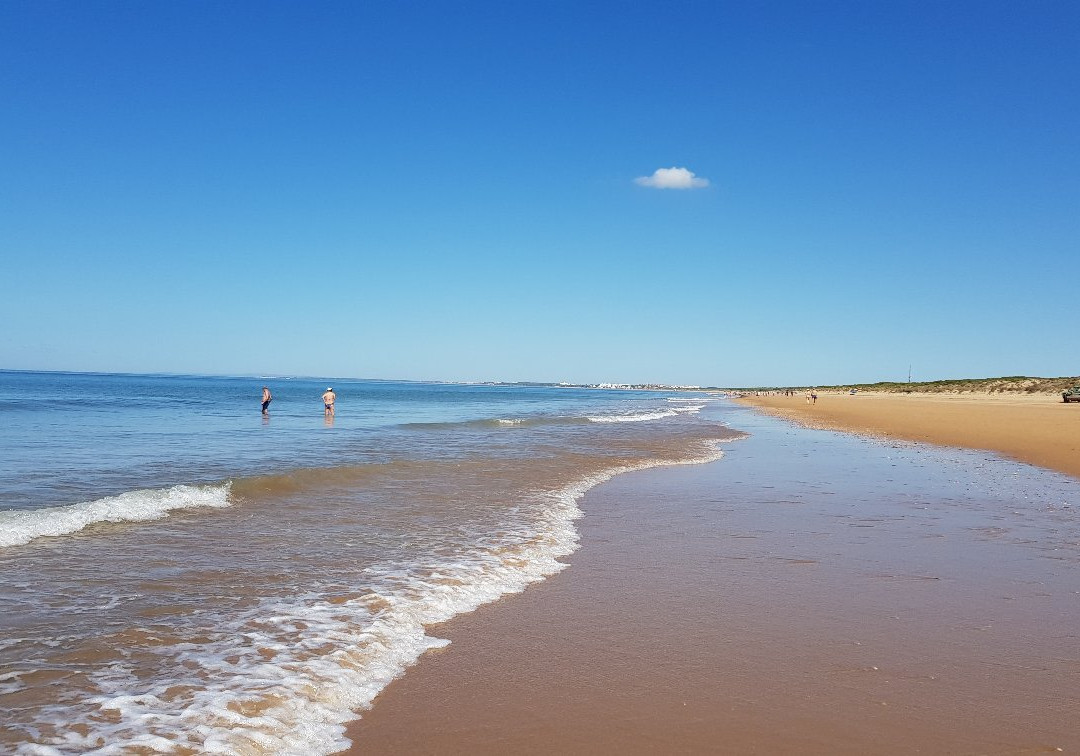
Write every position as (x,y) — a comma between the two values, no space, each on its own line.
(329,398)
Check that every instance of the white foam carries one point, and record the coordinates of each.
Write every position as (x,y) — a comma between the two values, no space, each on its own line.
(288,673)
(692,409)
(684,406)
(10,682)
(633,418)
(18,527)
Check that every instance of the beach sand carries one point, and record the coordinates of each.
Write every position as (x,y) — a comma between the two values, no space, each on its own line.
(811,593)
(1039,429)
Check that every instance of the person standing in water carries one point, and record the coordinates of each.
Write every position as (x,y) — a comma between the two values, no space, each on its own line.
(267,398)
(329,397)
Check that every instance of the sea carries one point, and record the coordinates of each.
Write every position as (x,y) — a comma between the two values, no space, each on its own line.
(180,573)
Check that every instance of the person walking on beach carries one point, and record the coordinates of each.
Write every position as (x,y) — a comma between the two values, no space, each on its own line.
(813,395)
(328,398)
(808,396)
(267,398)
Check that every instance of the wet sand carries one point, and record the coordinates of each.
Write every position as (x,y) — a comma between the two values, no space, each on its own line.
(811,593)
(1041,430)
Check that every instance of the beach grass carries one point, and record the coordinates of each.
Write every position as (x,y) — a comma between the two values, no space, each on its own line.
(1010,384)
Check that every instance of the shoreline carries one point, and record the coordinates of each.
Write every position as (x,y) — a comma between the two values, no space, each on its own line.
(745,606)
(1029,428)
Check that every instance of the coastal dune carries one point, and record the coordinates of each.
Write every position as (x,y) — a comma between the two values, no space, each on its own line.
(1038,429)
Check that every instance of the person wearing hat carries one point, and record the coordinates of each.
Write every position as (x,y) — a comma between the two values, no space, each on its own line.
(328,398)
(267,398)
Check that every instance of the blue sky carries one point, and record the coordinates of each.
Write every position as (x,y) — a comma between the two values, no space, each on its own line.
(448,190)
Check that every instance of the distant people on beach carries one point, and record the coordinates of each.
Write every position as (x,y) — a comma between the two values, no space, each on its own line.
(808,396)
(266,399)
(329,398)
(813,395)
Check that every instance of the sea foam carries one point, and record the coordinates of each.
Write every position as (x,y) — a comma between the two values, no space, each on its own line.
(18,527)
(640,417)
(289,673)
(632,418)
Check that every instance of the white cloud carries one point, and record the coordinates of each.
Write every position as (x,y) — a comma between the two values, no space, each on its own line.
(672,178)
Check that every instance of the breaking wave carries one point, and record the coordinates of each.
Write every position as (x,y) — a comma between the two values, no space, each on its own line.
(18,527)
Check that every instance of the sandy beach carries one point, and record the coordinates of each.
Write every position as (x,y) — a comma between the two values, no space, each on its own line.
(811,593)
(1041,430)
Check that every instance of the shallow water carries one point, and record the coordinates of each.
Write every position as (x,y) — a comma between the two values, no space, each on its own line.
(178,572)
(812,593)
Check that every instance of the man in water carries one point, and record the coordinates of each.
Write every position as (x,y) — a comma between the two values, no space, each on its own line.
(328,398)
(267,398)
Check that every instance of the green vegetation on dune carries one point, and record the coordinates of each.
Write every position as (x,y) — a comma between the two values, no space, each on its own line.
(1011,384)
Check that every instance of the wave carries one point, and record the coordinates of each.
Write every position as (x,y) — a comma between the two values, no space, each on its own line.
(287,674)
(499,422)
(633,418)
(640,417)
(544,420)
(19,527)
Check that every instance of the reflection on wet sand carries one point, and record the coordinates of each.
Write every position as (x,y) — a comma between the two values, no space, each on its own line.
(812,593)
